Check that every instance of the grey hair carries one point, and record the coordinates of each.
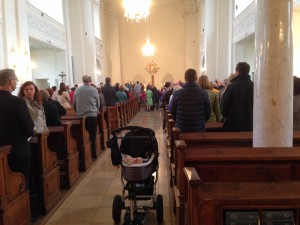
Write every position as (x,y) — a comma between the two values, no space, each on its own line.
(86,79)
(6,75)
(44,94)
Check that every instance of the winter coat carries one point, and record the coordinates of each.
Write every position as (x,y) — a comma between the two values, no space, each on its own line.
(237,104)
(191,108)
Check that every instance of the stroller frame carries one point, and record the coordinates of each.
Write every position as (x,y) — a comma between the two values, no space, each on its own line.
(137,190)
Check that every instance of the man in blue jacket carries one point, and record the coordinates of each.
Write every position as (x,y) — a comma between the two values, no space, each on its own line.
(191,105)
(237,101)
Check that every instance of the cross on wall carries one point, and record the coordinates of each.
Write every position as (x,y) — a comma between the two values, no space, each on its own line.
(62,75)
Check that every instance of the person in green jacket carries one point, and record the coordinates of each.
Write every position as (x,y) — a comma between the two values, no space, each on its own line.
(149,99)
(215,115)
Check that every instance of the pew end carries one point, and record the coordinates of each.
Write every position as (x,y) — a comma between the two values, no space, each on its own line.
(14,198)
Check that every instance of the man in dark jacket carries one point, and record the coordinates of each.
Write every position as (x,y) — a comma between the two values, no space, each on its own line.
(237,101)
(191,105)
(109,93)
(16,125)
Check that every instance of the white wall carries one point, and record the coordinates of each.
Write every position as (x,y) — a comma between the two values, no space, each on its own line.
(97,21)
(245,52)
(241,5)
(166,30)
(52,8)
(48,64)
(296,42)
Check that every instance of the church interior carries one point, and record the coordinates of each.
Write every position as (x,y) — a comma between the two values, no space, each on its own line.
(239,178)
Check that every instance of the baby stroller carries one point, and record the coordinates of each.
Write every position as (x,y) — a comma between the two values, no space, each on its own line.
(138,180)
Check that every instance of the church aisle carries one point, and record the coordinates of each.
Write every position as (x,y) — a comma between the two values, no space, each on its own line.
(90,203)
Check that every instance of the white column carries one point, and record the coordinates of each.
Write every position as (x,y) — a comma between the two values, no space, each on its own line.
(114,47)
(104,37)
(191,33)
(14,38)
(1,40)
(224,39)
(218,38)
(211,35)
(82,38)
(273,83)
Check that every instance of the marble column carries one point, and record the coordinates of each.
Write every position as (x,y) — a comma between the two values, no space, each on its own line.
(273,82)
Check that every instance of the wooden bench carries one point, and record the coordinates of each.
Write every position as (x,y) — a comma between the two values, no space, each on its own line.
(44,172)
(218,139)
(60,140)
(214,127)
(209,202)
(70,112)
(81,135)
(102,125)
(126,112)
(121,114)
(235,165)
(113,116)
(14,198)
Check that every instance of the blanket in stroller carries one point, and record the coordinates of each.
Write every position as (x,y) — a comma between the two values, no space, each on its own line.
(139,142)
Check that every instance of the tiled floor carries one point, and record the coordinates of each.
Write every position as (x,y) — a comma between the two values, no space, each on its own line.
(90,203)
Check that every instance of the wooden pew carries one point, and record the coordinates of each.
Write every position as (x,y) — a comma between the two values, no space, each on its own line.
(81,135)
(107,120)
(44,172)
(70,112)
(102,125)
(137,105)
(113,116)
(208,140)
(214,127)
(60,140)
(121,114)
(203,141)
(239,178)
(14,198)
(127,112)
(235,165)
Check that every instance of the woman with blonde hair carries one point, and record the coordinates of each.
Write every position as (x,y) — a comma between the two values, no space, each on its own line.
(215,115)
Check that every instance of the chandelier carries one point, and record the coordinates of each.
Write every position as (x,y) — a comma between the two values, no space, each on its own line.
(148,49)
(135,10)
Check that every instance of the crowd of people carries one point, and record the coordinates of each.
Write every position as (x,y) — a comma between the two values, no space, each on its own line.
(192,104)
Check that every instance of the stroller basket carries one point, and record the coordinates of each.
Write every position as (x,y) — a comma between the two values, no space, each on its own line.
(138,172)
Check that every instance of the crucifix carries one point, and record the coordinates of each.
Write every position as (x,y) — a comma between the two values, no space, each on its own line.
(62,75)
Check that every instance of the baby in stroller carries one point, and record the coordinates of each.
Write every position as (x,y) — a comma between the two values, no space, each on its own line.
(135,150)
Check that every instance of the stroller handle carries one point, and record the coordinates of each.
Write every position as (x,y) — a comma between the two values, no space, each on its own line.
(130,128)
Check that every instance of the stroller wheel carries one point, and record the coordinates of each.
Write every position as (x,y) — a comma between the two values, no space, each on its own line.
(159,208)
(117,208)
